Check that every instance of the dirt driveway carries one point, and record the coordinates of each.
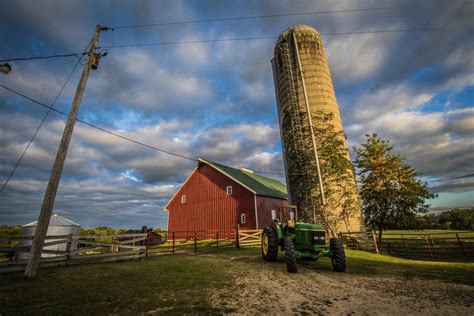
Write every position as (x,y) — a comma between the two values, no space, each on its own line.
(324,292)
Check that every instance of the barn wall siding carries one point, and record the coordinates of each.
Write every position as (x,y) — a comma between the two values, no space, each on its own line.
(265,205)
(208,207)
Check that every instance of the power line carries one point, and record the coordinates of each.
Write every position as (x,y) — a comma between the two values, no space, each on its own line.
(471,175)
(79,55)
(276,16)
(165,151)
(44,57)
(41,124)
(107,48)
(97,127)
(169,152)
(275,37)
(456,178)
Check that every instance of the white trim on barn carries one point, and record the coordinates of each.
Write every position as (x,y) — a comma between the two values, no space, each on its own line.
(182,186)
(227,175)
(256,213)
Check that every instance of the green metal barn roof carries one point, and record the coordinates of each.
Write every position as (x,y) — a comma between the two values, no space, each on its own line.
(260,185)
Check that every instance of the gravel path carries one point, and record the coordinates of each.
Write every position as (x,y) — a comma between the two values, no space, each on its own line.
(270,291)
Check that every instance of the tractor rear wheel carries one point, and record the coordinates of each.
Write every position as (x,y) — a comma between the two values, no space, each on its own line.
(338,256)
(269,244)
(290,256)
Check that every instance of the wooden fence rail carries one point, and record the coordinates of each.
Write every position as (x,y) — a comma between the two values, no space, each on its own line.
(446,245)
(248,237)
(428,246)
(109,248)
(366,240)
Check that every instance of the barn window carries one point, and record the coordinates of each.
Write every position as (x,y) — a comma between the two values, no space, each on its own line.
(183,199)
(242,218)
(274,215)
(229,190)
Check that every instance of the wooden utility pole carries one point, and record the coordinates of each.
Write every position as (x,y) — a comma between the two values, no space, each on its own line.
(50,194)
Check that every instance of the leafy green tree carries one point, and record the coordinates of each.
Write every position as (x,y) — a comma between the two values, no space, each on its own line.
(458,219)
(389,189)
(10,231)
(159,231)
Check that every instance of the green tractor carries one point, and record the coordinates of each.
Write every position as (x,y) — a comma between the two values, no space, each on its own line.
(300,240)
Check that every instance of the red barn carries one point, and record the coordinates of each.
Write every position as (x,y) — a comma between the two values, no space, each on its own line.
(214,198)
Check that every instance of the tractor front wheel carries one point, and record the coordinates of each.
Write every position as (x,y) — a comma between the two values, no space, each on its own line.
(290,256)
(269,244)
(338,256)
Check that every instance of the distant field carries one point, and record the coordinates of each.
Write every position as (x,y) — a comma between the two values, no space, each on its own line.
(239,281)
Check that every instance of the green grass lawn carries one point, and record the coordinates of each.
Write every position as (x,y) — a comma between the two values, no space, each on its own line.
(182,283)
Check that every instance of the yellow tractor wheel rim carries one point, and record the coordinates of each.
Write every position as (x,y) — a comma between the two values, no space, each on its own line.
(265,244)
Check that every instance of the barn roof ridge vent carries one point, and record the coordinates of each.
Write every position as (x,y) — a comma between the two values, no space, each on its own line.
(247,170)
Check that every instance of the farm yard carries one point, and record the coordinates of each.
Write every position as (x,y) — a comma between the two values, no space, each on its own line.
(239,281)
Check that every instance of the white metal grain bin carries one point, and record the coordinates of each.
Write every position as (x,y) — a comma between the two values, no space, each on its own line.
(58,226)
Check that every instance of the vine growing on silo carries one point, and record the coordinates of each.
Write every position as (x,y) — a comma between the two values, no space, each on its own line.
(337,173)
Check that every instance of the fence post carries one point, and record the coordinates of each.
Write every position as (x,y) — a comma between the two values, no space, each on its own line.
(434,248)
(460,245)
(173,244)
(237,236)
(144,242)
(195,242)
(147,244)
(68,247)
(429,248)
(217,239)
(403,244)
(374,237)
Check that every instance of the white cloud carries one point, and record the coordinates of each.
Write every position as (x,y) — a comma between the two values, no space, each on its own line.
(142,81)
(193,55)
(352,58)
(391,99)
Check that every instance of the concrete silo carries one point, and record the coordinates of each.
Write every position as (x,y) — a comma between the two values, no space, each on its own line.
(305,95)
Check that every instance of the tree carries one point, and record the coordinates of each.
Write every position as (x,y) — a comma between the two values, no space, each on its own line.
(458,218)
(389,189)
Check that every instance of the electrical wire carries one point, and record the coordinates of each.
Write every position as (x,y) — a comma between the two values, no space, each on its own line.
(275,37)
(165,151)
(97,127)
(456,178)
(41,123)
(106,49)
(276,15)
(78,55)
(248,38)
(162,150)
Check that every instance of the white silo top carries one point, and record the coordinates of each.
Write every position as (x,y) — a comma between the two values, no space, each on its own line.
(55,220)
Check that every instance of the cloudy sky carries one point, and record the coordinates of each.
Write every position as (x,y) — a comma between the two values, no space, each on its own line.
(216,100)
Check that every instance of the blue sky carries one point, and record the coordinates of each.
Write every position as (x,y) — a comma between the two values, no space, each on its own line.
(216,100)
